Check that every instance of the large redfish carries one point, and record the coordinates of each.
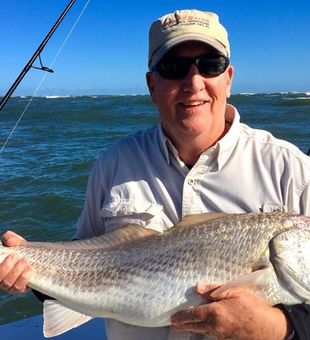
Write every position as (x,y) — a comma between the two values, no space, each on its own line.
(140,277)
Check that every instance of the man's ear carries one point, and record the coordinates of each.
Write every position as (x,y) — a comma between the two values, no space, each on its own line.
(230,74)
(149,76)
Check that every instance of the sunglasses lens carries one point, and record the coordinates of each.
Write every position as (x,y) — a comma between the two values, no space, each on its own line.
(212,66)
(177,68)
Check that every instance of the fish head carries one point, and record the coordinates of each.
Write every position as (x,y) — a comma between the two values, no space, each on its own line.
(290,255)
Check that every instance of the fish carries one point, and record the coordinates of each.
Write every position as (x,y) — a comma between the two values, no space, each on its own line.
(141,277)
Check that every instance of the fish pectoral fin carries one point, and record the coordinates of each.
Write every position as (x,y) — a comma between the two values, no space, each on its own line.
(254,281)
(59,319)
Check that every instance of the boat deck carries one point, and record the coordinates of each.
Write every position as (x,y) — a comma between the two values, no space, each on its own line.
(32,329)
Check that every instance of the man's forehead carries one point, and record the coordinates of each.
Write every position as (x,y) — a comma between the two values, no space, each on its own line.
(190,46)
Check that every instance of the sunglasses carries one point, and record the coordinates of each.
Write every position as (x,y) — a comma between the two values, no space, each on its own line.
(209,65)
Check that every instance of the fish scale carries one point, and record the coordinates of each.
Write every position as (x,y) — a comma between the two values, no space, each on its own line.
(145,280)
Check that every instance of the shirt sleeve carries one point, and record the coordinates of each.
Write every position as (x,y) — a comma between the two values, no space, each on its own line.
(90,222)
(299,315)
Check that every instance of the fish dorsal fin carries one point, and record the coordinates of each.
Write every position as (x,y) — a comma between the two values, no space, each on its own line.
(123,235)
(59,319)
(199,218)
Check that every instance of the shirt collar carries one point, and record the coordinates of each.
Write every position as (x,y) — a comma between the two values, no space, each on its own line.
(226,144)
(164,141)
(167,147)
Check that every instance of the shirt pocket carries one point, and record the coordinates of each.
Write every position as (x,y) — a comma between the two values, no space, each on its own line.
(116,214)
(270,207)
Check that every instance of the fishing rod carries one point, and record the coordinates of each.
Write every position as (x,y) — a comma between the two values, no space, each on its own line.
(35,56)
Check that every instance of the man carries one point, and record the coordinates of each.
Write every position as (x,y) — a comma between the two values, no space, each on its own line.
(199,158)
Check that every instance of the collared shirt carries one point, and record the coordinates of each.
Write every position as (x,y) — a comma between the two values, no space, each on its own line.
(142,180)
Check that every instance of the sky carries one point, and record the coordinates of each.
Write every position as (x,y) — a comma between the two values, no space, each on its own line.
(106,52)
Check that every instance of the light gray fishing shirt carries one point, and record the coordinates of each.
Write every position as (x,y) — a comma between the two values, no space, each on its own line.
(142,180)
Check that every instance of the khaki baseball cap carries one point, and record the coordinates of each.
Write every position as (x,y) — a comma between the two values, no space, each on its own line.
(184,25)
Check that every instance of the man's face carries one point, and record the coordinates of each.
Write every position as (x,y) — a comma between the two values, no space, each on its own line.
(195,105)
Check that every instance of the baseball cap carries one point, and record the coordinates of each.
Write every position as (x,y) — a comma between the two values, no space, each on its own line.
(184,25)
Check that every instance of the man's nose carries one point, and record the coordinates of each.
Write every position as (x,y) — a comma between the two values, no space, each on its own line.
(194,81)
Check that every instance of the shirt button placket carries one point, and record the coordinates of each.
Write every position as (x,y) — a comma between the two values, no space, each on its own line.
(189,197)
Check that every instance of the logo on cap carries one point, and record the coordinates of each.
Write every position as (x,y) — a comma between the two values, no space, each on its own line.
(184,19)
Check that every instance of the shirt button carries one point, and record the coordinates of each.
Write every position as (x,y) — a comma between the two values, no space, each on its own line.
(191,181)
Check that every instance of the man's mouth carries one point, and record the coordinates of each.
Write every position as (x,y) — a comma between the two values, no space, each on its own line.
(192,104)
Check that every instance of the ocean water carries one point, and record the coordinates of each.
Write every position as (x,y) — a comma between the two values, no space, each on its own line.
(45,165)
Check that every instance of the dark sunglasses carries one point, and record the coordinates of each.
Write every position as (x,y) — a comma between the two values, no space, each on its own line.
(209,65)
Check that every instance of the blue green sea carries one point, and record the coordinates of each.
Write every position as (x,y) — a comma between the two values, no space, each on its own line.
(45,165)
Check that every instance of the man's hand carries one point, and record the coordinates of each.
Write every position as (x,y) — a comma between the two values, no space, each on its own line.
(235,313)
(15,272)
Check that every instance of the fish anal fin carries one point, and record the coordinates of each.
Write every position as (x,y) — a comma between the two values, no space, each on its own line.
(59,319)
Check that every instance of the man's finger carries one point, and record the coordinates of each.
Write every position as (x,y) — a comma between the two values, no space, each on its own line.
(206,289)
(197,327)
(228,293)
(191,315)
(7,265)
(10,239)
(19,276)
